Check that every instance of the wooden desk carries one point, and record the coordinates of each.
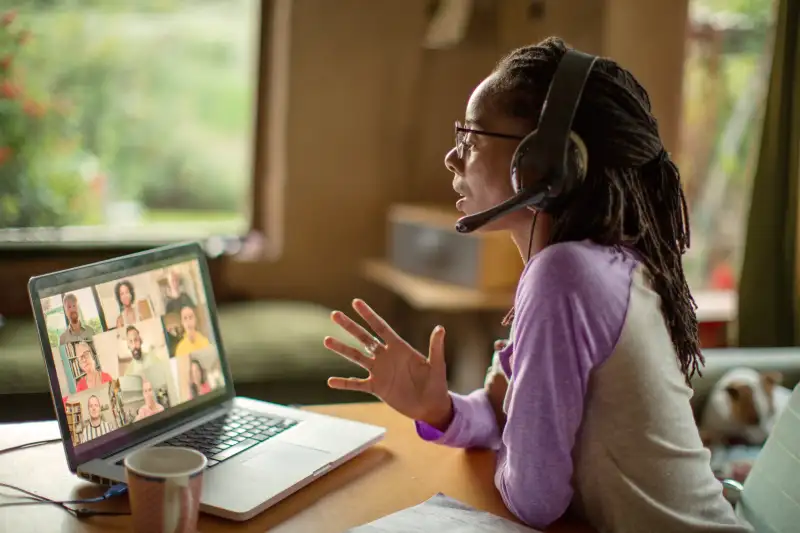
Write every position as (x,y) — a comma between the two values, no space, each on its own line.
(400,472)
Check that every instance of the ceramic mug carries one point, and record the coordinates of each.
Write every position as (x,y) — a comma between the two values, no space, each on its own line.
(164,487)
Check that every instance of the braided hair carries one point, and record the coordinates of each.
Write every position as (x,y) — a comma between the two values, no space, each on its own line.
(632,195)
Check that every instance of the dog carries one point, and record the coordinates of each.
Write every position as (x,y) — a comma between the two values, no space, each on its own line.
(742,407)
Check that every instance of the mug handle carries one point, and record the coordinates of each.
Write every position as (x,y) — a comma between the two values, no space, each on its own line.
(178,504)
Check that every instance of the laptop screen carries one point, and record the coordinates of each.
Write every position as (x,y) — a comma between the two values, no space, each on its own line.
(132,348)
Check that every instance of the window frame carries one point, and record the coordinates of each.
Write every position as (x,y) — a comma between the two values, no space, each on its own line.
(263,236)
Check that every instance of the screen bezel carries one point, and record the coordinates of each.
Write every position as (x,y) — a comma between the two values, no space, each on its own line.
(127,265)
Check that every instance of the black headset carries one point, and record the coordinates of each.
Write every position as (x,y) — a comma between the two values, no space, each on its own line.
(551,160)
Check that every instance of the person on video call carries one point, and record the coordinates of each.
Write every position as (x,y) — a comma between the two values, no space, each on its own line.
(75,330)
(589,410)
(126,300)
(96,426)
(192,339)
(151,406)
(93,374)
(198,381)
(142,359)
(176,295)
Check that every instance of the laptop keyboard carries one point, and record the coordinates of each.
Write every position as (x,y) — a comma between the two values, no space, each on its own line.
(226,436)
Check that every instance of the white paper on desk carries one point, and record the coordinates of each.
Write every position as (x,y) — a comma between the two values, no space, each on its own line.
(438,514)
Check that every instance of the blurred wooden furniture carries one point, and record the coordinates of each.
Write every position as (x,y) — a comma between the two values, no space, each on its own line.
(423,242)
(400,472)
(429,295)
(716,311)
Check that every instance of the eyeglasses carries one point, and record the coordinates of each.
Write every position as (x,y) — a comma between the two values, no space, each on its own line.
(461,134)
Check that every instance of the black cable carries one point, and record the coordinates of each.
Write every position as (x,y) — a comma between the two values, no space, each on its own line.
(29,445)
(116,490)
(530,237)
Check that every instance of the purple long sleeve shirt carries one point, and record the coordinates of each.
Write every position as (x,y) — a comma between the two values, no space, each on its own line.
(570,305)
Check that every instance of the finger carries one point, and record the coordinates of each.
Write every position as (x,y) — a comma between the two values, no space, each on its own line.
(436,351)
(348,352)
(356,384)
(355,330)
(378,324)
(499,345)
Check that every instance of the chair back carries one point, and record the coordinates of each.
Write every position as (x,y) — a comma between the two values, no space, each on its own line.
(770,499)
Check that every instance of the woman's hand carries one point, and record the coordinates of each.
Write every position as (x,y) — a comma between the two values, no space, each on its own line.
(496,385)
(402,377)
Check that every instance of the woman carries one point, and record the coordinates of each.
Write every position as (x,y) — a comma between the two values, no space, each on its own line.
(594,415)
(151,406)
(126,298)
(93,375)
(192,339)
(198,383)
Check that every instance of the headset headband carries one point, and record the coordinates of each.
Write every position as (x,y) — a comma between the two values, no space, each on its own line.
(545,151)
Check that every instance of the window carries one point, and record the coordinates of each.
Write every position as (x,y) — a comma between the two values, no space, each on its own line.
(127,121)
(726,74)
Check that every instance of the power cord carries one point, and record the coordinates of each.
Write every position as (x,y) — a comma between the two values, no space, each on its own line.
(29,445)
(81,512)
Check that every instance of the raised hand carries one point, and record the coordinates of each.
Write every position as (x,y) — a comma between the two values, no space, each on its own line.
(402,377)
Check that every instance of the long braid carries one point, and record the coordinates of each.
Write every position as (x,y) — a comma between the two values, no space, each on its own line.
(632,196)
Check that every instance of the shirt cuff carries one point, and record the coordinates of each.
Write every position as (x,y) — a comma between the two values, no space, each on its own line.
(431,434)
(473,423)
(428,432)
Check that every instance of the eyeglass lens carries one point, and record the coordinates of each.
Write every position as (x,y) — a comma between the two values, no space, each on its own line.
(459,135)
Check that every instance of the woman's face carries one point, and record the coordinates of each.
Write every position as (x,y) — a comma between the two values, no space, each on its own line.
(125,295)
(147,392)
(483,176)
(188,319)
(85,359)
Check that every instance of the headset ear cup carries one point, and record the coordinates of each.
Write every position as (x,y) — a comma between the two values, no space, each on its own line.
(521,164)
(524,170)
(578,162)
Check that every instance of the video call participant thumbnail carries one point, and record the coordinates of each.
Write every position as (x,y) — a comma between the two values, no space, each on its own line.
(130,310)
(151,406)
(199,383)
(176,297)
(76,331)
(141,359)
(94,376)
(192,339)
(96,426)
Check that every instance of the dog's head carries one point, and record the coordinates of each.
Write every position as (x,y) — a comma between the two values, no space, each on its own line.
(752,401)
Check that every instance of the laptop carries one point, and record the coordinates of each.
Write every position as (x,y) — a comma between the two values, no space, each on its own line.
(135,358)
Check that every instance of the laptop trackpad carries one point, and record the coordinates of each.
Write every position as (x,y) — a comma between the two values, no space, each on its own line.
(284,464)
